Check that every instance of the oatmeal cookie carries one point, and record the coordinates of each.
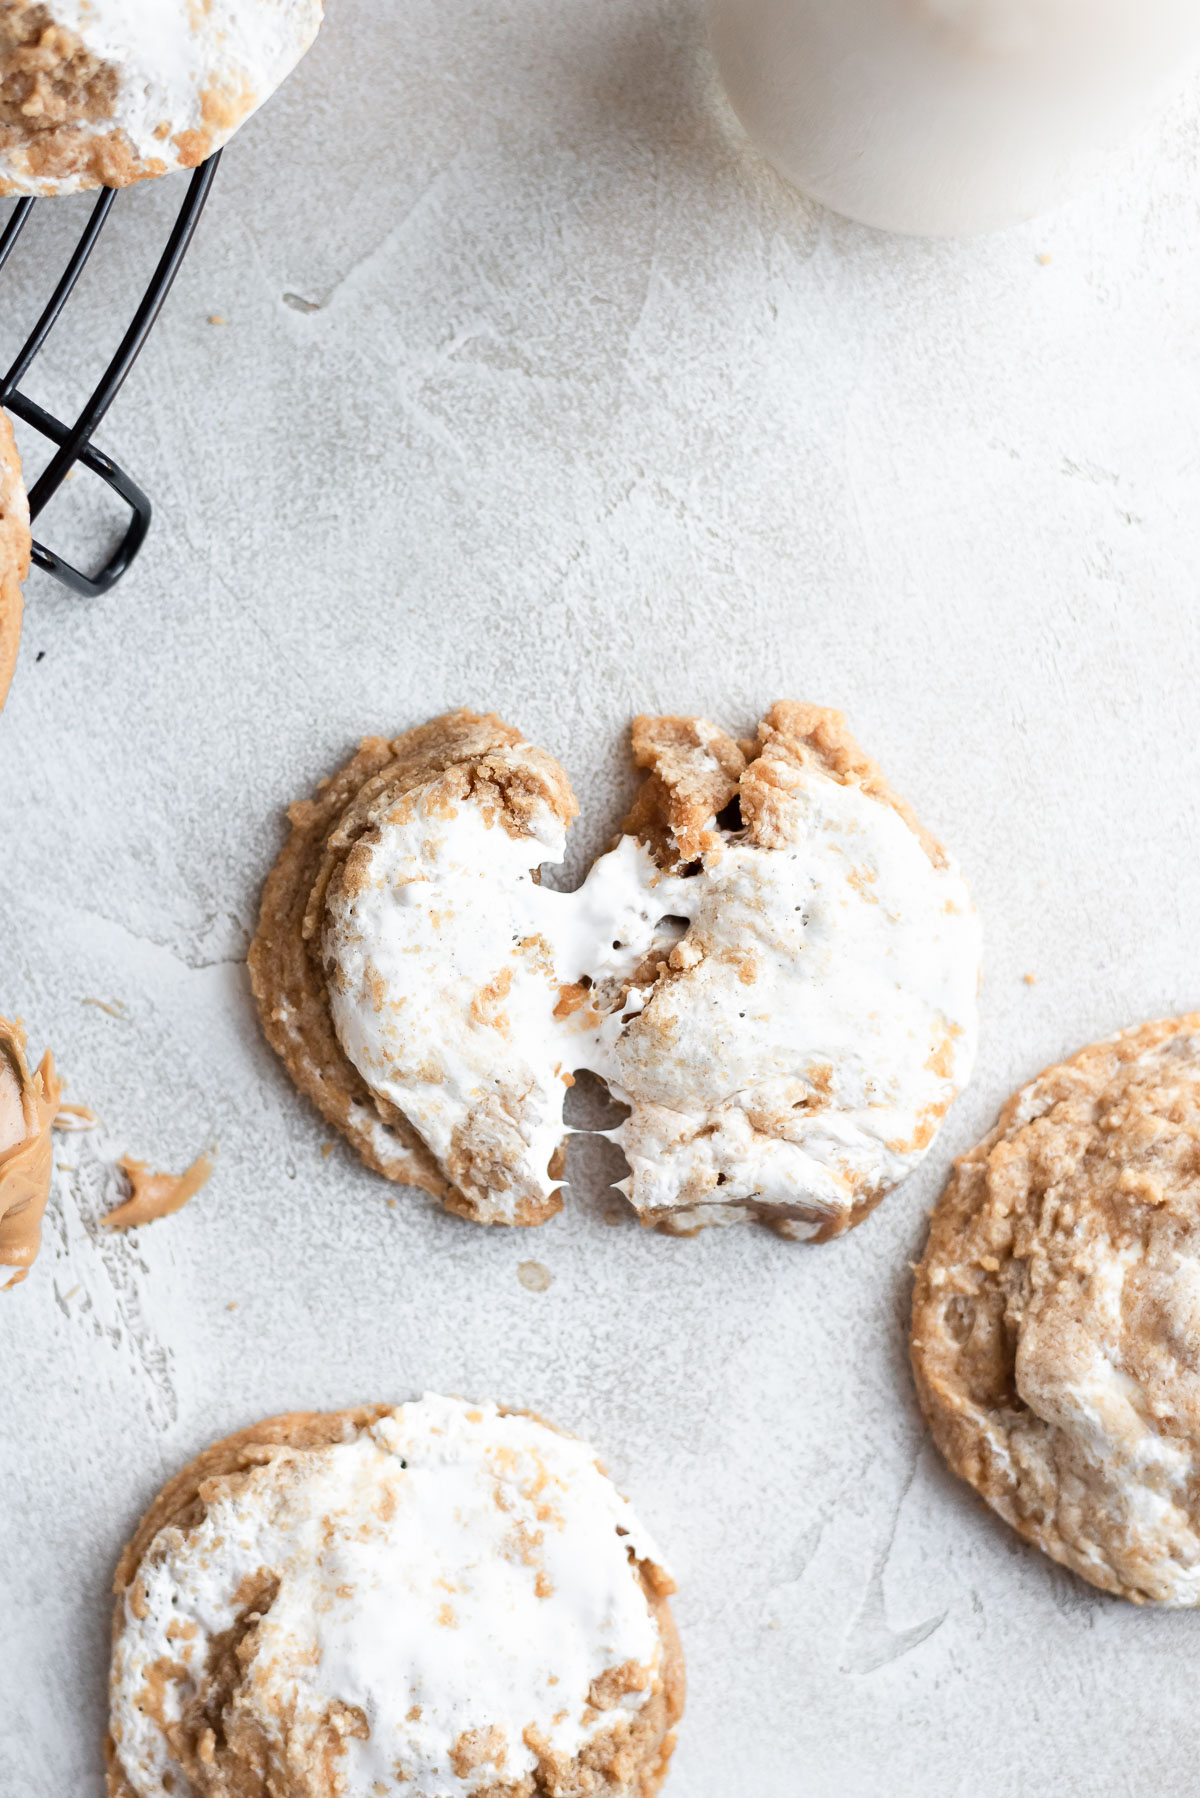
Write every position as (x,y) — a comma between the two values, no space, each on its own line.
(438,1600)
(102,93)
(774,968)
(1056,1317)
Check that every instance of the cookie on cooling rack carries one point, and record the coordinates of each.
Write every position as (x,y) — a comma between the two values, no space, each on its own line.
(15,547)
(430,1601)
(29,1102)
(102,93)
(775,968)
(1056,1317)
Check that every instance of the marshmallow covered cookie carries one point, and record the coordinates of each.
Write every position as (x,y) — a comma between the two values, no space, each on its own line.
(774,969)
(15,547)
(436,1601)
(102,93)
(1056,1319)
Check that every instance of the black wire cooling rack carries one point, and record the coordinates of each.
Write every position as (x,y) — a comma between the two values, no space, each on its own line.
(73,443)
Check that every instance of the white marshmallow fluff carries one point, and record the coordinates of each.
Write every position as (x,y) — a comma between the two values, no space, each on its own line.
(816,1016)
(454,1577)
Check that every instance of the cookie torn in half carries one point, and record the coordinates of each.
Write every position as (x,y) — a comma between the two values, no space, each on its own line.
(102,93)
(1056,1317)
(29,1102)
(775,968)
(15,547)
(434,1601)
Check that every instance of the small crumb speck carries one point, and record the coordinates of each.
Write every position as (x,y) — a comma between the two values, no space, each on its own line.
(232,1305)
(113,1007)
(1045,257)
(391,1204)
(217,318)
(68,1296)
(1030,979)
(533,1276)
(326,1148)
(614,1215)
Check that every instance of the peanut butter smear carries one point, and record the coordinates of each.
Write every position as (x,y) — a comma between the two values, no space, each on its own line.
(156,1195)
(28,1106)
(15,545)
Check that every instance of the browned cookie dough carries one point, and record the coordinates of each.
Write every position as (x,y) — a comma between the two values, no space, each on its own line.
(15,546)
(1056,1317)
(285,957)
(29,1103)
(434,1505)
(695,771)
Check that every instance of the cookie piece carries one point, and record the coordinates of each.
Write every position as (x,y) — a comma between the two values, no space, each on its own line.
(29,1102)
(102,93)
(434,1600)
(15,546)
(773,967)
(1056,1316)
(795,1056)
(453,759)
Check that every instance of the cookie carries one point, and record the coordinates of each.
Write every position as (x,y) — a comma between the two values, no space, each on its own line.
(433,1601)
(29,1103)
(102,93)
(15,546)
(1056,1316)
(774,968)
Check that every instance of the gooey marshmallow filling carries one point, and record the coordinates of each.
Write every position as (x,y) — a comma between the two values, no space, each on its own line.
(815,1017)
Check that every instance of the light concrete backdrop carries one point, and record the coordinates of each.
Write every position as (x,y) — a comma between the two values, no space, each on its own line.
(539,391)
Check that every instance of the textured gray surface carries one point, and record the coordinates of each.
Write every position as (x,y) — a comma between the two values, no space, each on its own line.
(591,415)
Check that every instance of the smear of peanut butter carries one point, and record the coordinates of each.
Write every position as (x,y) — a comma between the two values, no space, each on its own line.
(14,552)
(29,1102)
(75,1117)
(155,1195)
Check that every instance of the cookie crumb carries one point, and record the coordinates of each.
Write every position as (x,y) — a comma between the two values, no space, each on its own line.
(534,1277)
(1044,258)
(326,1149)
(1030,979)
(217,318)
(614,1215)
